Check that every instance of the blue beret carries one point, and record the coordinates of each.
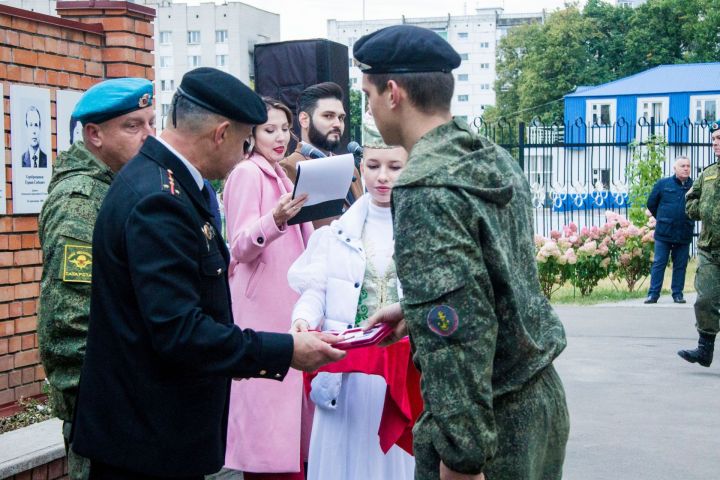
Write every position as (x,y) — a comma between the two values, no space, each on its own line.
(714,126)
(404,49)
(112,98)
(222,93)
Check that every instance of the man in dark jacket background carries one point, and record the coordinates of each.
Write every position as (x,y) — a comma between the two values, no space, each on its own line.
(673,232)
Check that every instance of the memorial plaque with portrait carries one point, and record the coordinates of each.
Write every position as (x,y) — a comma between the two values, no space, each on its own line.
(3,184)
(31,147)
(69,130)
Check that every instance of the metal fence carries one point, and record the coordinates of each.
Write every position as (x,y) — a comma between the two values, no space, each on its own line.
(577,170)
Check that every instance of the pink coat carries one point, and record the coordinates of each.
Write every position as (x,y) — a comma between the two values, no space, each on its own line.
(269,421)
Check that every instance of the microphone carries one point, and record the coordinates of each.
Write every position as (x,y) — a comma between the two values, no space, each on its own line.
(355,149)
(308,150)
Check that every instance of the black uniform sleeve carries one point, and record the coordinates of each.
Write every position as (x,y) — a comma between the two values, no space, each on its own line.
(163,258)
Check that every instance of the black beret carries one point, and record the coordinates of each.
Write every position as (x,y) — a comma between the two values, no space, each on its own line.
(404,49)
(222,93)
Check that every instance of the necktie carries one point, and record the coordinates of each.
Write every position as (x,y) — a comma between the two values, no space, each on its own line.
(35,161)
(206,195)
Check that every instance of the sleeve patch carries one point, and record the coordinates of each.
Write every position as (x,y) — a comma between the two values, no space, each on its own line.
(443,320)
(77,264)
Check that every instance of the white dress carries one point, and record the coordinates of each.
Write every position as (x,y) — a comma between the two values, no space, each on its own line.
(344,444)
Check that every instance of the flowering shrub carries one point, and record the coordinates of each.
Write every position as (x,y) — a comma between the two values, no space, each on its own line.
(587,255)
(633,249)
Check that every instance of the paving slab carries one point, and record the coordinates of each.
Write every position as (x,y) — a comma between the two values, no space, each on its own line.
(638,411)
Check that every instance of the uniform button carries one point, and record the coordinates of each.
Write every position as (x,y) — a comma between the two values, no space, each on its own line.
(260,240)
(354,178)
(347,240)
(277,375)
(263,372)
(219,271)
(349,325)
(357,284)
(339,232)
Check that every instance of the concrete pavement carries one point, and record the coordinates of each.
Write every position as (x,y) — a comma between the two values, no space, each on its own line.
(638,411)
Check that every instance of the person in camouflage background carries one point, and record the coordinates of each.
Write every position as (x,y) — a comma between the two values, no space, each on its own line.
(484,336)
(702,203)
(117,117)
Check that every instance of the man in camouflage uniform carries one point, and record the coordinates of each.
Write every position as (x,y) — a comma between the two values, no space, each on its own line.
(117,116)
(702,203)
(483,335)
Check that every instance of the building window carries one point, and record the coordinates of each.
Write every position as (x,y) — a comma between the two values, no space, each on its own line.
(220,36)
(194,60)
(656,108)
(165,62)
(165,38)
(463,77)
(464,56)
(165,109)
(484,45)
(221,60)
(463,98)
(485,65)
(462,34)
(442,33)
(350,62)
(704,108)
(601,113)
(351,41)
(193,37)
(353,81)
(464,118)
(485,86)
(167,85)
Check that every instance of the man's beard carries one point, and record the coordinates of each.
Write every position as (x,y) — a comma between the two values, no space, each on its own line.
(322,141)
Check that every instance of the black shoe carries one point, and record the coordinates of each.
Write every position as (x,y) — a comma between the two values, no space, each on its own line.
(651,299)
(679,298)
(703,354)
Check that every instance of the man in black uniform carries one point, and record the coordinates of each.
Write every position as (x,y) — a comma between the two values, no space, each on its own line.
(162,346)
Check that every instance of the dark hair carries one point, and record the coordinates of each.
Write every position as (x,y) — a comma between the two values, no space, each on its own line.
(271,103)
(308,99)
(429,92)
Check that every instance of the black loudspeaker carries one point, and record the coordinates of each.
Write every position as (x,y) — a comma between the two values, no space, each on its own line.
(284,69)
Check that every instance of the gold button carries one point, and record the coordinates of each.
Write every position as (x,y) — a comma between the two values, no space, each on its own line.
(263,372)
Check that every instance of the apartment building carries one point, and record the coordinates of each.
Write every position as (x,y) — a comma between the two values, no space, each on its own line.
(475,37)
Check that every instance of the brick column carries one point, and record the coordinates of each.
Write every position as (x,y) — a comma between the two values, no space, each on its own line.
(128,29)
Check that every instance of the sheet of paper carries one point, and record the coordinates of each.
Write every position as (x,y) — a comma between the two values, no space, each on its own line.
(324,179)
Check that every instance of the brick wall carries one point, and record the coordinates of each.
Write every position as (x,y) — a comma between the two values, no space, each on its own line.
(91,40)
(55,470)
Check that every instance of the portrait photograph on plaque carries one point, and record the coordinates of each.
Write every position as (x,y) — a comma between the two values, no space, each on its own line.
(69,130)
(30,146)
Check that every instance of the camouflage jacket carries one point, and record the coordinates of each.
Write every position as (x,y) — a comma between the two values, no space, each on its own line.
(702,203)
(479,324)
(77,189)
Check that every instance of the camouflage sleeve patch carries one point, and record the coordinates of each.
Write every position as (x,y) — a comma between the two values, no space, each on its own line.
(77,264)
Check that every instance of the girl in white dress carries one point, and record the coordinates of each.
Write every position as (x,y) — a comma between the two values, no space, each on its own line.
(345,274)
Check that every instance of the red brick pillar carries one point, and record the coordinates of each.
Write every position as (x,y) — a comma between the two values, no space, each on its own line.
(127,51)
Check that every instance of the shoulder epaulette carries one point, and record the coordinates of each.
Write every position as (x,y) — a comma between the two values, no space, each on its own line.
(167,182)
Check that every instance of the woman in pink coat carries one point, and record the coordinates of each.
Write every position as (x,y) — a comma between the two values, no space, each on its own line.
(269,421)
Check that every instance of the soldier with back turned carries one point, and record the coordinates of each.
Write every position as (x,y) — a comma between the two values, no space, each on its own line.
(484,336)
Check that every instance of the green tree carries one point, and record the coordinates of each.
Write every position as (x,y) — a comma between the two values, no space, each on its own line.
(643,171)
(538,64)
(355,114)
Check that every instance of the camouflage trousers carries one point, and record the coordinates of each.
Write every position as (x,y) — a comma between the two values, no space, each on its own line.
(532,428)
(707,285)
(78,467)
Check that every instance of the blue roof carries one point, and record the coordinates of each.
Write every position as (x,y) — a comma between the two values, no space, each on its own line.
(688,77)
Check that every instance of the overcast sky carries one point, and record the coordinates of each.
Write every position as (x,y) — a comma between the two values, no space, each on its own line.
(308,18)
